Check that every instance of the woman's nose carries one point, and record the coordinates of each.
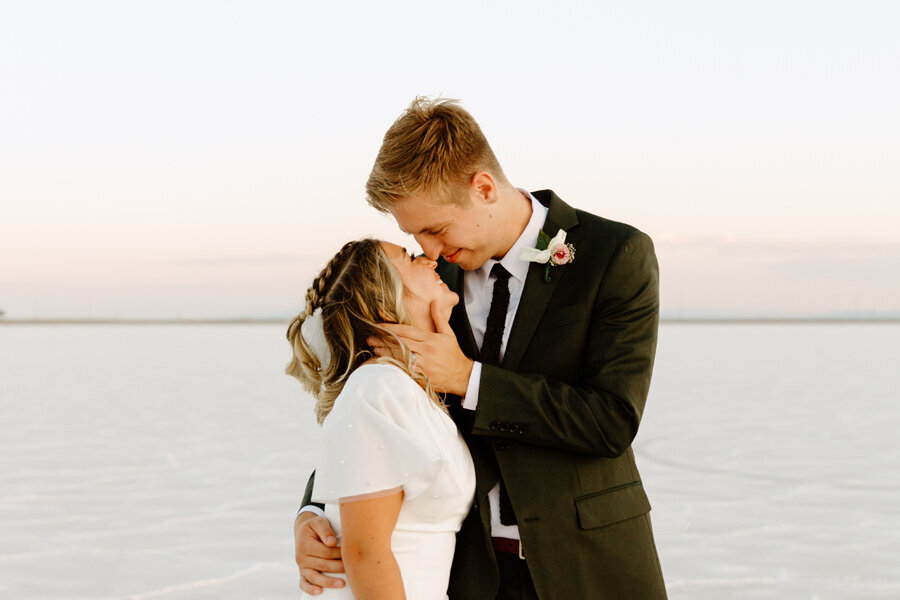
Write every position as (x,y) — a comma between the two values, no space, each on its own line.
(432,264)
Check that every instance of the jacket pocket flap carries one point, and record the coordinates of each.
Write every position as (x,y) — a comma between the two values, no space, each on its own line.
(612,506)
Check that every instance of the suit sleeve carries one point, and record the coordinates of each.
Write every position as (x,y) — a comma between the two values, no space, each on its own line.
(600,414)
(307,495)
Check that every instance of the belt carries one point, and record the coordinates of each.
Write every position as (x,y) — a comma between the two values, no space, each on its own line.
(508,546)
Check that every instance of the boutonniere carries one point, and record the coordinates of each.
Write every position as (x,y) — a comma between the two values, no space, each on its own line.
(551,252)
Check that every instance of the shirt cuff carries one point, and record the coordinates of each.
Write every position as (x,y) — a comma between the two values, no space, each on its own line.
(471,399)
(313,509)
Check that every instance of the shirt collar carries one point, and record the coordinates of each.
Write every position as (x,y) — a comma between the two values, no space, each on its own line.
(517,267)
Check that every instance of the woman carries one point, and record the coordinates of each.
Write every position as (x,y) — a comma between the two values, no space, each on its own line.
(394,474)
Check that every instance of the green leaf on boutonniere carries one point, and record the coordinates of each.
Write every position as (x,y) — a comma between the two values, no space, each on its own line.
(543,240)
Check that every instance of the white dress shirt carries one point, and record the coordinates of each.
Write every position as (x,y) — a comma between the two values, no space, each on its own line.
(479,289)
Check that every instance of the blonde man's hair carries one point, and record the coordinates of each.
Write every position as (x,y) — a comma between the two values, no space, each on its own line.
(357,290)
(435,147)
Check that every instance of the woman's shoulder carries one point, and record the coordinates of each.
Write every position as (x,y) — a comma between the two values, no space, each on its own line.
(380,374)
(380,385)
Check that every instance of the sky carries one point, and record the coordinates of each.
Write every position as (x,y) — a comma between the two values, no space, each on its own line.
(201,159)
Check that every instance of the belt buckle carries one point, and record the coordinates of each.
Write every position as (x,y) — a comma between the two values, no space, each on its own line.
(521,555)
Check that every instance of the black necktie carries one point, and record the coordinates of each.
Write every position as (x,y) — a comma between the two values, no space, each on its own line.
(490,355)
(493,332)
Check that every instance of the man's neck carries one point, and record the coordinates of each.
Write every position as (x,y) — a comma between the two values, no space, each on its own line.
(515,217)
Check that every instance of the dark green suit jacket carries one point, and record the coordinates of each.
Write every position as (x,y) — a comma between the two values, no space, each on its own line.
(558,416)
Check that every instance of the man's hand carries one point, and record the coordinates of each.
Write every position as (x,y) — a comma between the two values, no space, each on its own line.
(316,552)
(437,354)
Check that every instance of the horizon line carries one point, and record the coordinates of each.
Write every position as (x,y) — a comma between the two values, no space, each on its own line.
(272,321)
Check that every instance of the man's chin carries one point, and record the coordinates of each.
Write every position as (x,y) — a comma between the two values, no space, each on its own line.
(467,262)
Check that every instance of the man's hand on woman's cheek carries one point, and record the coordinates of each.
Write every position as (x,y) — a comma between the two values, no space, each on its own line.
(436,354)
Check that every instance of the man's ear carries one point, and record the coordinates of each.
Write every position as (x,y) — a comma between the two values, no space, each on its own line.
(483,188)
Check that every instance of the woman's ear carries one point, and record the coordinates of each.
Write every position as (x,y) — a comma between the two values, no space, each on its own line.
(385,318)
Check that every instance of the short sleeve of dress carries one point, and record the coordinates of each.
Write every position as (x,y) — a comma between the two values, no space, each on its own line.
(373,439)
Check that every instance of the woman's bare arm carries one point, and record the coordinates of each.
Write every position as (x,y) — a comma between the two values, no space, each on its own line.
(367,524)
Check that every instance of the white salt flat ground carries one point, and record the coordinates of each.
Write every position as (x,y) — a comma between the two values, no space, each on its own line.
(167,461)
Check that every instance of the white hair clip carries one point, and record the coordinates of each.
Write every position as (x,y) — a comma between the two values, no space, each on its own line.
(313,332)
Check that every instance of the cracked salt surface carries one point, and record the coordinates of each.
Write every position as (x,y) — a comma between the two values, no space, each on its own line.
(168,461)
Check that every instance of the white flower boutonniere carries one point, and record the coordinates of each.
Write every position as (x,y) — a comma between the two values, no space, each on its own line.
(551,252)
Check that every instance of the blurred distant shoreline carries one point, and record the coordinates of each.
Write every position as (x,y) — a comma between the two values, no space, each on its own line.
(284,321)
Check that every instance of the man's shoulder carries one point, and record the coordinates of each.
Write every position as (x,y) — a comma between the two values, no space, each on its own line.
(588,219)
(592,225)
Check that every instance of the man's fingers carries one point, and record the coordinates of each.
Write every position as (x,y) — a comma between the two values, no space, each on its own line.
(310,579)
(441,324)
(309,551)
(394,351)
(315,567)
(407,332)
(380,350)
(317,551)
(381,343)
(384,347)
(322,528)
(312,590)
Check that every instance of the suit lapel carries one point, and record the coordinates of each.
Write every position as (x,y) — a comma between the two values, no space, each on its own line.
(452,275)
(537,292)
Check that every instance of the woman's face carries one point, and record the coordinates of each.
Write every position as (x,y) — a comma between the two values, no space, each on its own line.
(419,277)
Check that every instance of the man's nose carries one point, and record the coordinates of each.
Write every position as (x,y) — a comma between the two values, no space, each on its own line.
(430,246)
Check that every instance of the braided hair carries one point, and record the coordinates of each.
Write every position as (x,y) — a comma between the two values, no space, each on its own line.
(357,291)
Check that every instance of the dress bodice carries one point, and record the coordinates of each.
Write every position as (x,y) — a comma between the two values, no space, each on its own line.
(384,433)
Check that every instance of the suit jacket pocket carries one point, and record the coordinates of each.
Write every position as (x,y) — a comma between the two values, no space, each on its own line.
(564,316)
(611,506)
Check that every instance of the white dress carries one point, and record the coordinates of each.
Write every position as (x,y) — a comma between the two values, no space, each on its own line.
(383,433)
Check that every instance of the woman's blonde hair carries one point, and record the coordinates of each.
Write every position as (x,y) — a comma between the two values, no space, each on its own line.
(357,291)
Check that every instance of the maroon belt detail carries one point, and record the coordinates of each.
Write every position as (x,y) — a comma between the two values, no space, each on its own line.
(507,546)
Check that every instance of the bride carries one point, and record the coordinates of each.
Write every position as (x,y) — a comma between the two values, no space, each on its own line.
(393,472)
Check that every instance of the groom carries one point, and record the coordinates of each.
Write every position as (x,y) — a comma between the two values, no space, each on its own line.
(548,364)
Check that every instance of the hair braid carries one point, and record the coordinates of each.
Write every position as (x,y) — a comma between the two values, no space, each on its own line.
(304,364)
(316,293)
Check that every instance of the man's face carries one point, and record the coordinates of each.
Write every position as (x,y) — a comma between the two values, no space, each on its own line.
(461,233)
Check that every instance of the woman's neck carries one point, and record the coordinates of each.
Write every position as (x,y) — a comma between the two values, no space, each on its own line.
(421,317)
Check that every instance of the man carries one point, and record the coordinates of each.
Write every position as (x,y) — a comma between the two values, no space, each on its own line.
(548,371)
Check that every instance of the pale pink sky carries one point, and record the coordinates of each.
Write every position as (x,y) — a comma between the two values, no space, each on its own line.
(193,159)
